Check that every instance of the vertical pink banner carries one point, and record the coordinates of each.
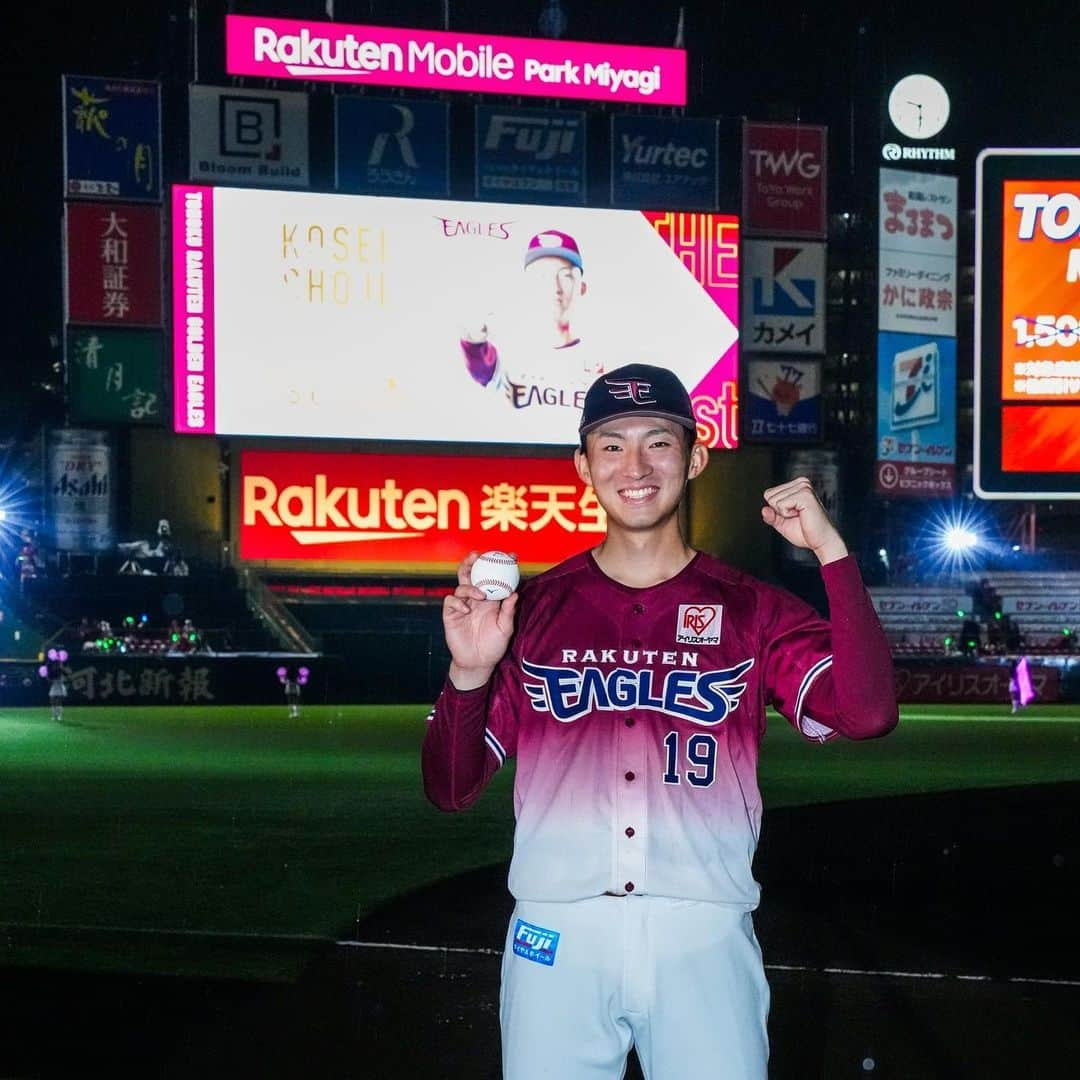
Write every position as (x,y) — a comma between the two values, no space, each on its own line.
(708,246)
(193,309)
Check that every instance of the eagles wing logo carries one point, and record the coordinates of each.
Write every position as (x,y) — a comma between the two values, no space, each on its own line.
(639,391)
(569,693)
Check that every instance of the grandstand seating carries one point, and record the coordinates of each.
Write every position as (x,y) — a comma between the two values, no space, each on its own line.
(214,600)
(918,619)
(1013,611)
(1042,604)
(390,649)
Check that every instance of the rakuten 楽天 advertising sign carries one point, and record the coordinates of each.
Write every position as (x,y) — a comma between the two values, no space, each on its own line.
(322,316)
(440,60)
(411,512)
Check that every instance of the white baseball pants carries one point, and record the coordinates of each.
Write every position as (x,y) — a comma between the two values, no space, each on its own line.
(681,980)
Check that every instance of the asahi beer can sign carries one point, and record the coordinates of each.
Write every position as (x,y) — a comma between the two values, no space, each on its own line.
(80,491)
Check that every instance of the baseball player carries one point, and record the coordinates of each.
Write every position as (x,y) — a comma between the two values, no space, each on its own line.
(554,369)
(631,681)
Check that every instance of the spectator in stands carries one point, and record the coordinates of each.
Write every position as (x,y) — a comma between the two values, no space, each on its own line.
(29,561)
(1014,640)
(970,639)
(175,564)
(984,599)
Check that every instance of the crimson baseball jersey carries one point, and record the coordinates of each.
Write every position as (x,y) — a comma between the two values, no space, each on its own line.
(636,716)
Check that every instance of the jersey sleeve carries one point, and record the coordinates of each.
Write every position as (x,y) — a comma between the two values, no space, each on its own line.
(481,360)
(470,735)
(834,676)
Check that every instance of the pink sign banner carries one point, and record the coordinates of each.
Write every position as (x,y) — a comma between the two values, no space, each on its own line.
(193,309)
(438,60)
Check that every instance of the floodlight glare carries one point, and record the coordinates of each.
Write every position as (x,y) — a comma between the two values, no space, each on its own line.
(957,539)
(954,538)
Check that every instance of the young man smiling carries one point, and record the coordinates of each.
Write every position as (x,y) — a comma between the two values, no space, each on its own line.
(630,682)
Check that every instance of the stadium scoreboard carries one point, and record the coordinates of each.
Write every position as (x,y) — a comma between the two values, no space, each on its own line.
(1027,324)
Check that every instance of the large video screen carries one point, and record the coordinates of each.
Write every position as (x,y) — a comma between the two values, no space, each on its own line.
(1027,324)
(301,314)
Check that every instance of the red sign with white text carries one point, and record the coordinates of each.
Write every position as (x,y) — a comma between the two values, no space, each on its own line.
(412,513)
(113,260)
(784,180)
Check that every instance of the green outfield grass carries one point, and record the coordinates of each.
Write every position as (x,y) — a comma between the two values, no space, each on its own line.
(239,821)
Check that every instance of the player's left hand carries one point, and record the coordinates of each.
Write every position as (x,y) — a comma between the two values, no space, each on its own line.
(795,512)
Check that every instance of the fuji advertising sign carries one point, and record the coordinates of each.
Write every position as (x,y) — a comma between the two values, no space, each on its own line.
(437,60)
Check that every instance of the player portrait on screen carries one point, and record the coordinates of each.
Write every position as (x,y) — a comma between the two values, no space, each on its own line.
(547,365)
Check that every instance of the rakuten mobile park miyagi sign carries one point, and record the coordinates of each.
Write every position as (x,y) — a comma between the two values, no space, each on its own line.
(440,60)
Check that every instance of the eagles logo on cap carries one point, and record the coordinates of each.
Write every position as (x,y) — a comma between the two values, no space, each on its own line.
(553,242)
(637,390)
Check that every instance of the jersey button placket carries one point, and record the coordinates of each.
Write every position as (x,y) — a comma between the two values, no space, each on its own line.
(630,776)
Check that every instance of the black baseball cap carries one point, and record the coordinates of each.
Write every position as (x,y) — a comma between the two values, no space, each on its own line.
(636,390)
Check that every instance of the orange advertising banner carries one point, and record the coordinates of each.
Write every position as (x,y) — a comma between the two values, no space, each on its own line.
(411,513)
(1040,315)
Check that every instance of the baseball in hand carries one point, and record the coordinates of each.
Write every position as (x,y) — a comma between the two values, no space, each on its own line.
(495,574)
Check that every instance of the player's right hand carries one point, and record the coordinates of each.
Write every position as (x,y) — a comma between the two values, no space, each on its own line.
(477,331)
(478,630)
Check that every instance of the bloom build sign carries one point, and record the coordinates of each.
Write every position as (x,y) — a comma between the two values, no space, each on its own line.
(476,63)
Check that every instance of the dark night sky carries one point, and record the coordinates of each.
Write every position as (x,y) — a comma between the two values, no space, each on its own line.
(1013,81)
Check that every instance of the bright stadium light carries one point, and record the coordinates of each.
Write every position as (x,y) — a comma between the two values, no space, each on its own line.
(16,509)
(955,538)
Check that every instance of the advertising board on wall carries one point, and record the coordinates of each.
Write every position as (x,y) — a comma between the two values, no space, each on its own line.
(387,147)
(664,161)
(916,415)
(274,48)
(916,358)
(917,228)
(112,264)
(112,138)
(240,136)
(784,179)
(79,497)
(784,296)
(1027,324)
(531,155)
(343,316)
(411,513)
(782,401)
(114,376)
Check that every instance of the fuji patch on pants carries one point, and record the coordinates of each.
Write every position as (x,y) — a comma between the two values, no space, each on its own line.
(535,943)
